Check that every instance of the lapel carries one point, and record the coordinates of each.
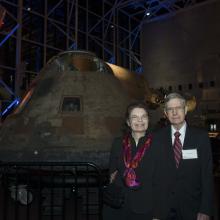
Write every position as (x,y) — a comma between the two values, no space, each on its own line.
(186,144)
(187,139)
(169,151)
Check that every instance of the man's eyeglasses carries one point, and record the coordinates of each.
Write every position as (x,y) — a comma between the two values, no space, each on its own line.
(137,118)
(176,109)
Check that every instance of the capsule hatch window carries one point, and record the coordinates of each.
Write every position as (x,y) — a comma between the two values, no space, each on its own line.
(71,104)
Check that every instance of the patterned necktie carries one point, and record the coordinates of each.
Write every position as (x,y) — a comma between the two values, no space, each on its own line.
(177,147)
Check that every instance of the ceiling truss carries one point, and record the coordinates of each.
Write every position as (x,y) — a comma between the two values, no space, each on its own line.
(32,31)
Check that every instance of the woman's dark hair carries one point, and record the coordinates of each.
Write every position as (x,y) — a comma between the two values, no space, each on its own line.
(131,106)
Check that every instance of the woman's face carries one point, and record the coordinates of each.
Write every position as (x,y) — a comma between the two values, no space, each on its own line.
(138,120)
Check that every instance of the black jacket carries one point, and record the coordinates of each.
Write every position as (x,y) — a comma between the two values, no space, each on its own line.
(189,189)
(139,200)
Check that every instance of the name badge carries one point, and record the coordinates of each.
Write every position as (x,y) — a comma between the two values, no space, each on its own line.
(189,154)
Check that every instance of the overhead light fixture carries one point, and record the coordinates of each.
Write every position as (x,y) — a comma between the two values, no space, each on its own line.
(147,12)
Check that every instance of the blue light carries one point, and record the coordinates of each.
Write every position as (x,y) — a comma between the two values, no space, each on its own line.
(73,46)
(9,35)
(139,70)
(12,104)
(112,60)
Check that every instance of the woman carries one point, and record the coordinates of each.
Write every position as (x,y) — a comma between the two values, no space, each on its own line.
(131,167)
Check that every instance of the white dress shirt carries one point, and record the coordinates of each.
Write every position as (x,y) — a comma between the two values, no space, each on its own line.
(182,132)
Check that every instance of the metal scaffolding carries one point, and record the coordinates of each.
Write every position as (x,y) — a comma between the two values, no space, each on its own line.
(32,31)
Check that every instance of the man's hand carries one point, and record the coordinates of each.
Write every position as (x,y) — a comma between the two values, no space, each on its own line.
(201,216)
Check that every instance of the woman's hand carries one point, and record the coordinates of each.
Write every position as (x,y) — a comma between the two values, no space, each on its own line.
(113,176)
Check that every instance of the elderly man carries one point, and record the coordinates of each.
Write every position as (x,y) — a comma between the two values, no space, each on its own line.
(183,178)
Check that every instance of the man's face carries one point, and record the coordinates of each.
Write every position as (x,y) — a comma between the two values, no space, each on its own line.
(176,112)
(138,120)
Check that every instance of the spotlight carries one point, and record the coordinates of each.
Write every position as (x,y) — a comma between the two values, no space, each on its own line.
(147,12)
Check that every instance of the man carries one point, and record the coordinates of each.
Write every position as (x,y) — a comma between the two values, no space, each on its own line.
(183,178)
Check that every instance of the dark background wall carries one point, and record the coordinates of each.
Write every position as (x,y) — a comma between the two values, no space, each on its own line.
(182,53)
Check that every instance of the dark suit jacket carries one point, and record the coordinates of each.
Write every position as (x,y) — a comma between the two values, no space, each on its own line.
(139,200)
(189,188)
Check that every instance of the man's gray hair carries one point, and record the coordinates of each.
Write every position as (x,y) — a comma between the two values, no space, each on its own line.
(174,95)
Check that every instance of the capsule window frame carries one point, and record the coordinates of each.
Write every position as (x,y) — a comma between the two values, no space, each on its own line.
(73,105)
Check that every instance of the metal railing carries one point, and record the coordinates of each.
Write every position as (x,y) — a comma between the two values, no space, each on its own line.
(50,191)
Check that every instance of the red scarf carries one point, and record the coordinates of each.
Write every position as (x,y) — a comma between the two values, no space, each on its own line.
(131,164)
